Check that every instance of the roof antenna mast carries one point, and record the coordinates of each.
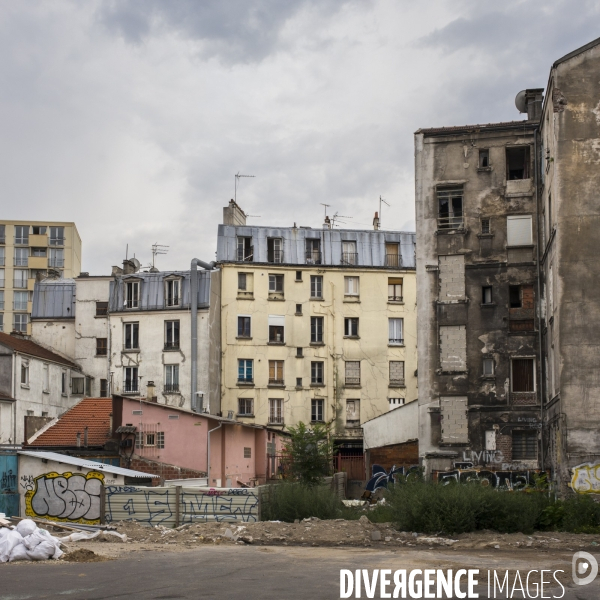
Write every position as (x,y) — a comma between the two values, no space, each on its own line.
(238,176)
(387,204)
(158,249)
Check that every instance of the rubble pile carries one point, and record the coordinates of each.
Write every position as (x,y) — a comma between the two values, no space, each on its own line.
(26,541)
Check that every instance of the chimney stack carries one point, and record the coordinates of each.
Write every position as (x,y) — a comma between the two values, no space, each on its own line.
(376,221)
(150,391)
(233,214)
(79,439)
(327,223)
(85,437)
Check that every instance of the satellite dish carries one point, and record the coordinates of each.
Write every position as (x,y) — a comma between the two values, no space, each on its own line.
(136,263)
(521,101)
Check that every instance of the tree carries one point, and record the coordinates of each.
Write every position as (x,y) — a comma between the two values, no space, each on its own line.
(310,453)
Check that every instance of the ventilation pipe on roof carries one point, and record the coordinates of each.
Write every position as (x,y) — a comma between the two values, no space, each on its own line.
(194,320)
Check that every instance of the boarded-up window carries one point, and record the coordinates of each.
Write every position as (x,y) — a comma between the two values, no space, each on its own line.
(352,372)
(451,277)
(453,348)
(523,375)
(518,230)
(454,419)
(523,325)
(396,372)
(352,413)
(247,452)
(524,445)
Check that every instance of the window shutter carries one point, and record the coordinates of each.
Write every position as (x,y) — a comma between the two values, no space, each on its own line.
(518,230)
(272,369)
(277,320)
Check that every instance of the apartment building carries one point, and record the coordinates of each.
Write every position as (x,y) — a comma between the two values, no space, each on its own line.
(317,325)
(132,333)
(31,250)
(478,338)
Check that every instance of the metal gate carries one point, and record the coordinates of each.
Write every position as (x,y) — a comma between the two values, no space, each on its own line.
(9,491)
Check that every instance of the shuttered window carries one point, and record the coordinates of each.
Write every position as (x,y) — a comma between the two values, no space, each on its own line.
(352,372)
(524,445)
(523,375)
(518,230)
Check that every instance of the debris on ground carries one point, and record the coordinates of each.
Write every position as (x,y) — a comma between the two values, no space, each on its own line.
(83,555)
(26,541)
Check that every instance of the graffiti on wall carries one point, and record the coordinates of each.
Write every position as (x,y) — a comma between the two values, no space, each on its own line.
(466,472)
(159,505)
(69,497)
(380,477)
(8,480)
(586,479)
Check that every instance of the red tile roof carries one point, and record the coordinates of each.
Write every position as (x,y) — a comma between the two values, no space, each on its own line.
(29,347)
(91,412)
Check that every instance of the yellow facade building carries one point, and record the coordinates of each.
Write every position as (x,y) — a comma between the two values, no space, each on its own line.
(318,325)
(31,250)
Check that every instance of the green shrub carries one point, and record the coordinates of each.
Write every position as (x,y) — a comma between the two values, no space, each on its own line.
(290,501)
(581,514)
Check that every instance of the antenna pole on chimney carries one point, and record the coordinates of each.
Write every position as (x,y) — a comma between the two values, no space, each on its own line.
(237,176)
(386,203)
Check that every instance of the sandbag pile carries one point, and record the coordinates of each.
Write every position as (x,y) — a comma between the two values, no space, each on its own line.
(27,541)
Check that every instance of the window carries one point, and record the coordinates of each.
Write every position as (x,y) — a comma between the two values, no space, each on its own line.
(276,372)
(38,252)
(298,275)
(245,370)
(2,234)
(488,367)
(450,207)
(349,254)
(57,236)
(392,254)
(486,294)
(299,353)
(20,278)
(313,251)
(484,159)
(130,380)
(395,331)
(523,375)
(243,327)
(21,257)
(245,406)
(352,372)
(101,346)
(247,452)
(38,230)
(517,163)
(171,335)
(396,372)
(316,411)
(20,300)
(245,251)
(352,413)
(104,388)
(138,438)
(20,322)
(132,294)
(518,230)
(524,445)
(63,383)
(316,330)
(316,286)
(1,322)
(160,439)
(57,258)
(172,292)
(394,289)
(1,277)
(274,250)
(132,336)
(351,327)
(150,439)
(298,382)
(276,284)
(316,373)
(22,234)
(242,282)
(276,329)
(298,309)
(395,402)
(88,386)
(486,227)
(276,411)
(514,296)
(77,386)
(171,378)
(351,286)
(24,372)
(101,309)
(2,256)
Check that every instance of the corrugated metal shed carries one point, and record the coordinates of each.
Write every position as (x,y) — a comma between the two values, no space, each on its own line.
(370,244)
(152,290)
(54,299)
(86,464)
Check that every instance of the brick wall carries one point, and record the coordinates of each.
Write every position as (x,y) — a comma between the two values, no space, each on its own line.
(163,470)
(406,454)
(454,419)
(452,277)
(453,348)
(504,444)
(396,370)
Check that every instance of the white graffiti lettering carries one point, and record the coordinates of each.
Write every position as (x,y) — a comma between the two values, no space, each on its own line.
(586,479)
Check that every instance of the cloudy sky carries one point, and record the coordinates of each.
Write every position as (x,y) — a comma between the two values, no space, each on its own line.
(131,117)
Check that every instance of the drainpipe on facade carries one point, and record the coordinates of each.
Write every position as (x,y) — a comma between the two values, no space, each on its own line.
(194,320)
(538,165)
(208,450)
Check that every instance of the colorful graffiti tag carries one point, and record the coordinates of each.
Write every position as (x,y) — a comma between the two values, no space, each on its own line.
(68,497)
(465,473)
(586,479)
(380,477)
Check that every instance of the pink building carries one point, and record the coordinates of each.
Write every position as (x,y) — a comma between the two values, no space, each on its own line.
(178,444)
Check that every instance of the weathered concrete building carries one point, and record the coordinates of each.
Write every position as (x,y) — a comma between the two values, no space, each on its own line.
(569,143)
(478,350)
(318,325)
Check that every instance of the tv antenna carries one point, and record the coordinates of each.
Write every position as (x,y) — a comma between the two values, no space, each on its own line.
(253,216)
(238,176)
(158,249)
(384,202)
(337,217)
(326,207)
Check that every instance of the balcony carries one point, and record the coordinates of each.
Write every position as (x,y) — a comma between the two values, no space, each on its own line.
(396,342)
(38,262)
(22,240)
(245,381)
(275,420)
(349,258)
(313,257)
(393,260)
(275,256)
(171,388)
(56,263)
(451,222)
(21,261)
(395,298)
(276,382)
(38,240)
(20,284)
(172,345)
(56,241)
(130,387)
